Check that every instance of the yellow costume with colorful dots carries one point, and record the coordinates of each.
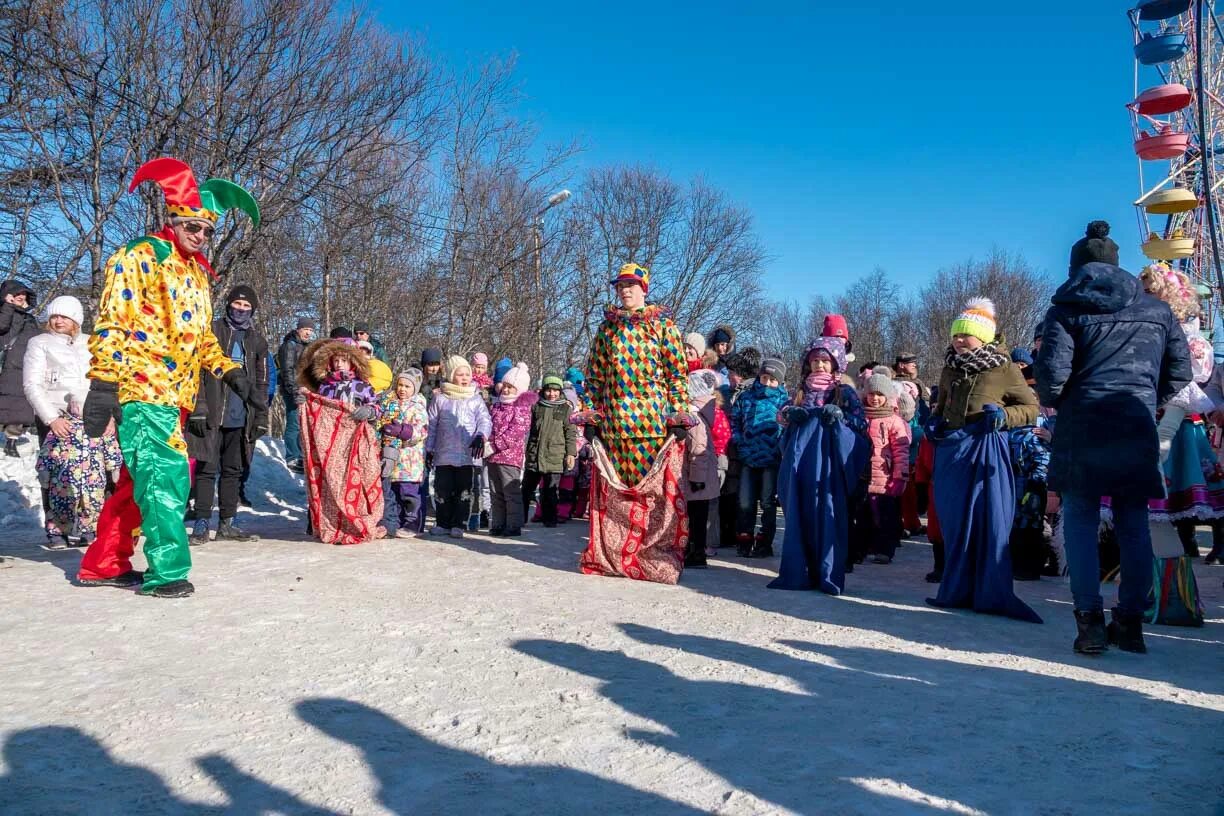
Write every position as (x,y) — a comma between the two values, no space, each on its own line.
(154,330)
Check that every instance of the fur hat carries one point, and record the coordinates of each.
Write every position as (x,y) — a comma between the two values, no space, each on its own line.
(67,306)
(412,375)
(519,377)
(696,342)
(978,320)
(835,347)
(455,364)
(315,363)
(774,368)
(480,358)
(701,383)
(1095,247)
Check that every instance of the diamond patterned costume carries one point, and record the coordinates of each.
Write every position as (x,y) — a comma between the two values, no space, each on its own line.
(636,378)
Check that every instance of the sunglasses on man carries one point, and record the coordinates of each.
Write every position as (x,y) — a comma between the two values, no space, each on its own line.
(192,227)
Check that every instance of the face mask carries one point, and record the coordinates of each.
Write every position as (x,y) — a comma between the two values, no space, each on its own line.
(239,317)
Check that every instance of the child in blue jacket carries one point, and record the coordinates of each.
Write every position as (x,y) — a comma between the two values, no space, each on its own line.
(757,434)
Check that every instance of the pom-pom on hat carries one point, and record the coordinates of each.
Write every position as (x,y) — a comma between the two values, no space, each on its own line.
(633,273)
(1095,247)
(977,319)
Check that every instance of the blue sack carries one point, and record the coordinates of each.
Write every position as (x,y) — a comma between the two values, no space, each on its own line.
(975,497)
(820,468)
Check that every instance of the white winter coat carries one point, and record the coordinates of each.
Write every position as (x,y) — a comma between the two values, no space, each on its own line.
(54,373)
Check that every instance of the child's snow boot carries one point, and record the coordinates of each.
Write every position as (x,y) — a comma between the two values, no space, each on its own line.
(1091,639)
(199,533)
(743,545)
(1126,632)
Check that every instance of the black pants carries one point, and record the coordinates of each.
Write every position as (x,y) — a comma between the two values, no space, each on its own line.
(43,431)
(547,482)
(699,521)
(877,527)
(227,464)
(728,513)
(453,489)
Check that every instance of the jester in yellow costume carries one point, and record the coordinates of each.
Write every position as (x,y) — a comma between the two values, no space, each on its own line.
(152,337)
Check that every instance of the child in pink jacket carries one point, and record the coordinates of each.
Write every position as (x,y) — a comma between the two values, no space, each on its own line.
(511,421)
(880,515)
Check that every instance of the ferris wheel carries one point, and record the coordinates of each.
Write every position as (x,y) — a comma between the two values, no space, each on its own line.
(1177,119)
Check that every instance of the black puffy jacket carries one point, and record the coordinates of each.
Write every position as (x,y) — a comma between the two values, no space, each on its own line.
(17,326)
(1110,355)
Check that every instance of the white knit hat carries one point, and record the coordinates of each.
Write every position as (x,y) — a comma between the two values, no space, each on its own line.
(519,377)
(67,306)
(697,342)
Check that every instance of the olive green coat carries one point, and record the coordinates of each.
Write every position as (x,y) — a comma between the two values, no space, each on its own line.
(552,438)
(961,405)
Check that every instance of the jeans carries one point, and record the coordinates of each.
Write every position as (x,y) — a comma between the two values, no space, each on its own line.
(758,484)
(293,433)
(1081,520)
(227,461)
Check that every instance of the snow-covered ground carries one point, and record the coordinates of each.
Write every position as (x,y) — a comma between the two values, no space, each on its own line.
(490,677)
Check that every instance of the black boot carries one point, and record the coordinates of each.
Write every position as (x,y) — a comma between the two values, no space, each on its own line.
(56,540)
(226,531)
(130,578)
(1188,534)
(743,545)
(1091,639)
(761,548)
(10,448)
(1126,632)
(484,519)
(174,589)
(243,501)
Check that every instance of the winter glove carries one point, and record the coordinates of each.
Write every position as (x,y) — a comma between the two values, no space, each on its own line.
(363,413)
(405,432)
(101,406)
(390,458)
(994,416)
(197,426)
(795,415)
(238,382)
(696,487)
(477,447)
(831,415)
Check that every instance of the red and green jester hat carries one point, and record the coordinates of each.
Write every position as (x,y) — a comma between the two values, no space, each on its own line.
(152,337)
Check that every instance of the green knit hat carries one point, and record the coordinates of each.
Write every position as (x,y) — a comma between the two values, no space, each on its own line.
(977,319)
(552,380)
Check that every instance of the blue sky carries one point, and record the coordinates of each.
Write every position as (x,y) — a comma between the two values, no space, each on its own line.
(900,136)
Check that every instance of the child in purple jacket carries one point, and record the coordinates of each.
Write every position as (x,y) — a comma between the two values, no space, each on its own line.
(511,414)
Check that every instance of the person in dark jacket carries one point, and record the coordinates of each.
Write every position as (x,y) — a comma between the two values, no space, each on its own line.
(361,331)
(552,445)
(17,326)
(1110,356)
(222,429)
(287,357)
(757,436)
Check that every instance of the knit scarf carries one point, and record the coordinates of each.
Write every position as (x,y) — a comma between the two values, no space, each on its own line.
(816,388)
(458,392)
(966,365)
(879,413)
(553,403)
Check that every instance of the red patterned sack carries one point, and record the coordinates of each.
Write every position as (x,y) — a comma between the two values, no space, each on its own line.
(638,532)
(343,473)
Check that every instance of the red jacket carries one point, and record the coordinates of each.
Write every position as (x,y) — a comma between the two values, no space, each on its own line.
(720,432)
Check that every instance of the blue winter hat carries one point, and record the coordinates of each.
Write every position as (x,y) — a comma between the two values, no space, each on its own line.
(1021,357)
(573,375)
(501,369)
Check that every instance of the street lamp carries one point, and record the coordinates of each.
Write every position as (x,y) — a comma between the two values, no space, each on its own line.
(556,198)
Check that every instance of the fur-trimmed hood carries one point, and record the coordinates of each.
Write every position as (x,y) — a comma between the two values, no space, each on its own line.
(313,366)
(724,328)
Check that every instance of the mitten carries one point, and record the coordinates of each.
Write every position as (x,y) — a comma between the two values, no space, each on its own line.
(994,416)
(831,415)
(363,413)
(477,446)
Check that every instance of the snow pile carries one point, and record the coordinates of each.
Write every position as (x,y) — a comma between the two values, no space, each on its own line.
(20,495)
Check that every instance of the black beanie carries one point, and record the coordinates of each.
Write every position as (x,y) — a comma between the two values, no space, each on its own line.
(361,327)
(431,356)
(340,332)
(1095,247)
(242,292)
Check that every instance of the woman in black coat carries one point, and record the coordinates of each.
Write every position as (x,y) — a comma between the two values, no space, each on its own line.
(17,326)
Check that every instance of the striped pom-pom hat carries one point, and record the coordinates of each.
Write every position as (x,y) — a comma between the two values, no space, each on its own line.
(977,319)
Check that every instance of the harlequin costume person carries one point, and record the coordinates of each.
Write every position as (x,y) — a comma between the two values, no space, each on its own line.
(637,395)
(152,337)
